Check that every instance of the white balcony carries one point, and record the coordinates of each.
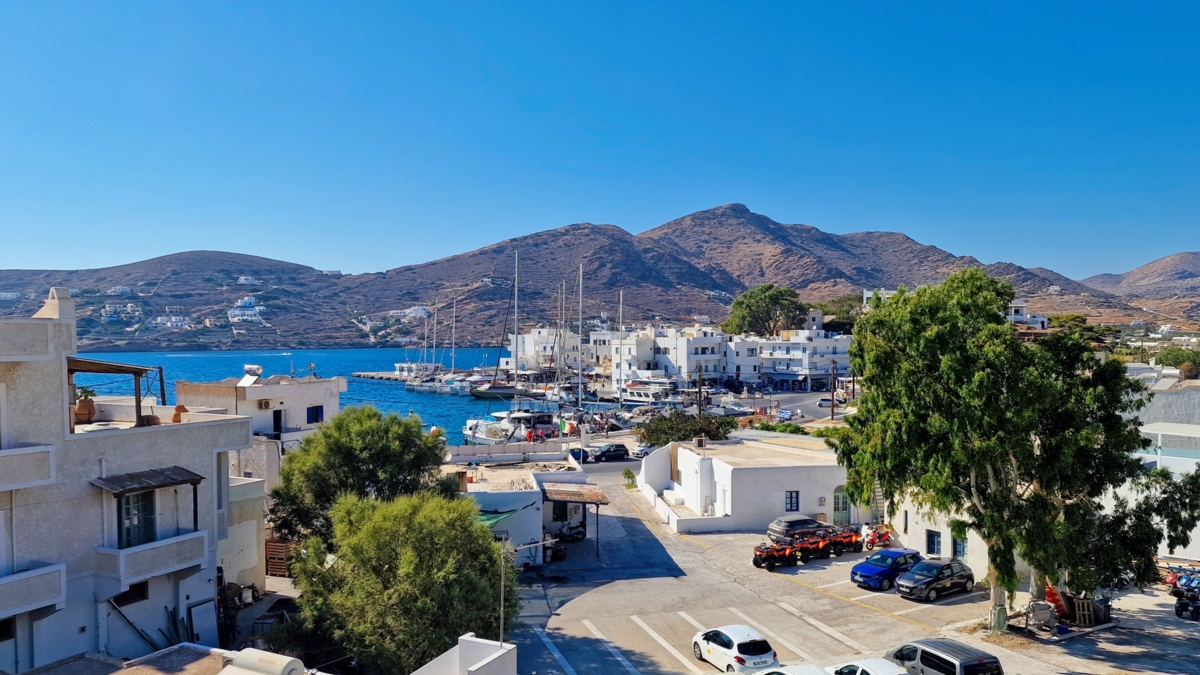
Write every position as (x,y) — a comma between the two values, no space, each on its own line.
(43,586)
(127,566)
(25,467)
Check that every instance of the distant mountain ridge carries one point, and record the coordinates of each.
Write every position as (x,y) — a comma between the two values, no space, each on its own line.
(1176,275)
(687,267)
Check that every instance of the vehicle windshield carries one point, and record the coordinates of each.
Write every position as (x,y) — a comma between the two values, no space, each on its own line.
(754,648)
(982,669)
(926,570)
(781,522)
(880,560)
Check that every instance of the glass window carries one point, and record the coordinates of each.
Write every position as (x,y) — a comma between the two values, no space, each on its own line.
(847,670)
(316,414)
(933,542)
(791,500)
(560,512)
(8,629)
(136,593)
(933,662)
(905,521)
(754,648)
(992,668)
(137,519)
(907,653)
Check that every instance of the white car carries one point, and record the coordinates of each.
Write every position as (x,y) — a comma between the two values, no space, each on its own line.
(867,667)
(794,670)
(734,649)
(642,450)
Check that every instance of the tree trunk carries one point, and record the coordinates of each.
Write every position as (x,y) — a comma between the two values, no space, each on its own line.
(998,612)
(1037,585)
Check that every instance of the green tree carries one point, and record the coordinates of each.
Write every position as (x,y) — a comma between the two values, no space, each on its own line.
(402,580)
(680,426)
(1175,356)
(1096,336)
(841,312)
(766,310)
(361,452)
(1024,443)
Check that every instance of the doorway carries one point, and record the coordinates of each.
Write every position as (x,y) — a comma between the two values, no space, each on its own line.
(841,506)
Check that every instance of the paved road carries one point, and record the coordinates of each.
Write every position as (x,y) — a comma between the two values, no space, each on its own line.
(636,609)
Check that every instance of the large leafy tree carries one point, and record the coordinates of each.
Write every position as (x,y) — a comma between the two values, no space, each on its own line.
(1024,443)
(766,310)
(680,426)
(398,583)
(361,452)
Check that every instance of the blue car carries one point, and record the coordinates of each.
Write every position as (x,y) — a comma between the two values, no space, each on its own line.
(881,569)
(580,455)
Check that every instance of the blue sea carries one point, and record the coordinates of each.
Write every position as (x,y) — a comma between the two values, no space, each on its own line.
(446,412)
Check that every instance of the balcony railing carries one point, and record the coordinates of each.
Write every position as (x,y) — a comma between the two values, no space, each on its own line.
(138,563)
(44,585)
(28,466)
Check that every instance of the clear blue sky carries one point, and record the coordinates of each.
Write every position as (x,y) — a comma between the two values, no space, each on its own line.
(362,136)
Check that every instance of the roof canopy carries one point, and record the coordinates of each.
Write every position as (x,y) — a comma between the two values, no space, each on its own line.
(139,481)
(78,365)
(577,493)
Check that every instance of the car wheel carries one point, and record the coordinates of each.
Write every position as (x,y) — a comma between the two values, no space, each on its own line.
(885,585)
(970,587)
(696,650)
(932,596)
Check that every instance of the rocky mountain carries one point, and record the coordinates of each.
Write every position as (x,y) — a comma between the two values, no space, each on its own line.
(685,268)
(1174,276)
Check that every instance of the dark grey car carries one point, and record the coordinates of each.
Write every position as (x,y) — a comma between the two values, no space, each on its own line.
(793,526)
(932,578)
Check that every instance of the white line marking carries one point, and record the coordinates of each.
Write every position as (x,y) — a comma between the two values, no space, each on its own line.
(666,645)
(868,595)
(837,583)
(836,635)
(952,600)
(692,621)
(774,636)
(611,649)
(554,651)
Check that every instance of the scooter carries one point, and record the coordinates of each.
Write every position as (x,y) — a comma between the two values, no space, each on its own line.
(572,533)
(1186,590)
(879,538)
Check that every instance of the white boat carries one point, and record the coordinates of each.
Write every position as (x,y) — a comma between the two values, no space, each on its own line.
(516,426)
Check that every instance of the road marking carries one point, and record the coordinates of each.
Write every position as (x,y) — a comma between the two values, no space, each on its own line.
(864,597)
(694,540)
(692,621)
(775,636)
(554,651)
(873,608)
(611,649)
(665,645)
(941,603)
(836,635)
(836,583)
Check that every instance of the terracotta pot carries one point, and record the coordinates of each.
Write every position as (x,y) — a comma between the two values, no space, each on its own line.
(85,411)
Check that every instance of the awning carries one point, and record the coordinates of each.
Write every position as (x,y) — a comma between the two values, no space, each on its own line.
(139,481)
(491,519)
(575,493)
(78,365)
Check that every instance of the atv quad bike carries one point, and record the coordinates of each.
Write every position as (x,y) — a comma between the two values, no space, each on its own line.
(771,556)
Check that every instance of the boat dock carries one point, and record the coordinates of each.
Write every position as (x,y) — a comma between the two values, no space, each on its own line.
(382,375)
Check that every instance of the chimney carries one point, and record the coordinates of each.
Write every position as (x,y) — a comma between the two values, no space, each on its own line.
(59,305)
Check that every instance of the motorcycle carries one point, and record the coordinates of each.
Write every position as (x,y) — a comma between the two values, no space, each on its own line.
(572,533)
(879,538)
(1185,588)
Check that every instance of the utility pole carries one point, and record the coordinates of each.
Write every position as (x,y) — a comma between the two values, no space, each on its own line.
(580,364)
(516,315)
(699,394)
(621,343)
(832,388)
(453,327)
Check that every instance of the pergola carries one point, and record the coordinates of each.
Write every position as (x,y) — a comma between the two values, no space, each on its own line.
(76,364)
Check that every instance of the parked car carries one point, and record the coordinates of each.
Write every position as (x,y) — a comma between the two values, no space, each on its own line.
(824,402)
(610,451)
(579,454)
(867,667)
(940,655)
(792,526)
(734,649)
(883,567)
(931,579)
(793,670)
(642,450)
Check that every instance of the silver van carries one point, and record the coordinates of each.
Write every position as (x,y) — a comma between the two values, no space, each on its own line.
(940,656)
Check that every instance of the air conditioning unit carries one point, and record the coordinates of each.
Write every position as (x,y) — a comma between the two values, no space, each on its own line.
(699,442)
(264,404)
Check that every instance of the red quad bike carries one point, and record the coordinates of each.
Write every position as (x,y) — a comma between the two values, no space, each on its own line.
(816,546)
(878,537)
(846,539)
(771,556)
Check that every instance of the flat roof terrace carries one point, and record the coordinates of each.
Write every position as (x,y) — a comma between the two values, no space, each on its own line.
(759,453)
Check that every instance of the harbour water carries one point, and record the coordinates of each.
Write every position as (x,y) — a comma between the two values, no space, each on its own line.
(446,412)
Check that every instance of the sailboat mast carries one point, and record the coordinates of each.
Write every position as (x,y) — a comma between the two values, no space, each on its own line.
(453,324)
(516,312)
(580,361)
(435,355)
(620,342)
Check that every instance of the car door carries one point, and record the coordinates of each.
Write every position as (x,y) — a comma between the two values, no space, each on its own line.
(715,651)
(906,656)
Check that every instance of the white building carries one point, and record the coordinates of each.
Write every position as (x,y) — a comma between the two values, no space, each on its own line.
(541,349)
(804,360)
(415,312)
(283,410)
(102,524)
(745,483)
(245,311)
(248,281)
(118,290)
(1018,313)
(170,321)
(884,294)
(742,361)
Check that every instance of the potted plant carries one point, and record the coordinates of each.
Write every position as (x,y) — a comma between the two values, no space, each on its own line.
(85,408)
